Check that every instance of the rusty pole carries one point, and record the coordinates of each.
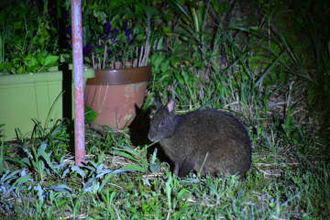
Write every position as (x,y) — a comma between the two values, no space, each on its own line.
(77,54)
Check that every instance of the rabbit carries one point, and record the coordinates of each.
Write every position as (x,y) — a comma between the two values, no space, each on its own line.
(207,141)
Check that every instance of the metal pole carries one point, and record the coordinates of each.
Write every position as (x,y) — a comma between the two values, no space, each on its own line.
(77,54)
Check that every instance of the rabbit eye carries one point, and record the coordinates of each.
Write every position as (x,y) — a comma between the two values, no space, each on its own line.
(162,124)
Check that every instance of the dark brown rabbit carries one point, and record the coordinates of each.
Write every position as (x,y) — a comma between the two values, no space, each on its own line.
(206,141)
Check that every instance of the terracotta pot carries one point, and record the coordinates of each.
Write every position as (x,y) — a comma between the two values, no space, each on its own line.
(113,94)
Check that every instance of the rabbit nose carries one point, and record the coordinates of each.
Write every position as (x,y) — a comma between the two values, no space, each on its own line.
(152,137)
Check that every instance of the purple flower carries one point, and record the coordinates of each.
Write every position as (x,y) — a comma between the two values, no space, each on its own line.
(69,31)
(67,15)
(107,27)
(87,49)
(131,41)
(125,26)
(128,33)
(114,31)
(109,52)
(113,40)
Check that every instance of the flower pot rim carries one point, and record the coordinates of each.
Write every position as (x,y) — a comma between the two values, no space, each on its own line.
(31,77)
(120,76)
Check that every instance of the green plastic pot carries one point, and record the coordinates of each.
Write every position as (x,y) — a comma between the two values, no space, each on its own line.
(31,96)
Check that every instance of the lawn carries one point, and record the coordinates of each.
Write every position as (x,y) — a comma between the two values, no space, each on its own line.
(277,88)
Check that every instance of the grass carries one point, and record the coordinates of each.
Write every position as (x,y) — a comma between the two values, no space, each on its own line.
(265,82)
(288,179)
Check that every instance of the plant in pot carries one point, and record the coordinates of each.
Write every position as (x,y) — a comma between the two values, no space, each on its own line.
(118,49)
(29,78)
(31,84)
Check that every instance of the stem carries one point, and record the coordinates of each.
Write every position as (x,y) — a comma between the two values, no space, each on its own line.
(93,61)
(104,56)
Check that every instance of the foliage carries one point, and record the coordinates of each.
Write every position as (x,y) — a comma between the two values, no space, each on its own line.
(27,39)
(90,115)
(116,184)
(116,34)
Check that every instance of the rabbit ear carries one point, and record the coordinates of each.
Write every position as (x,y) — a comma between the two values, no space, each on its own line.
(170,105)
(158,103)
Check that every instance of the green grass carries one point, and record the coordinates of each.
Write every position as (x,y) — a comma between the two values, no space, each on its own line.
(279,92)
(288,178)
